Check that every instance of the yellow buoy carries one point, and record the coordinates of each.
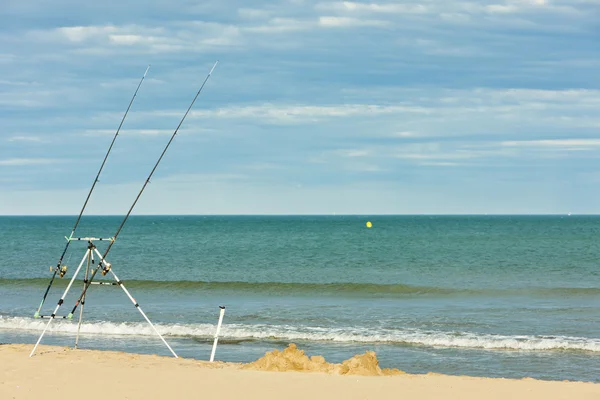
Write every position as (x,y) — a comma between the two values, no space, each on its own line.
(369,224)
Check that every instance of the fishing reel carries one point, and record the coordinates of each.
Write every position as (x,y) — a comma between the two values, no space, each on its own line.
(61,271)
(106,268)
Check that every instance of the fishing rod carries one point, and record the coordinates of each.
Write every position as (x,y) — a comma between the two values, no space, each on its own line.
(105,266)
(58,265)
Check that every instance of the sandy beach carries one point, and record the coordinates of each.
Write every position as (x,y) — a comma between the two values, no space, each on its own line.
(64,373)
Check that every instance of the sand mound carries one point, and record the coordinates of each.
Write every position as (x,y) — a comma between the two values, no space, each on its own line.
(293,359)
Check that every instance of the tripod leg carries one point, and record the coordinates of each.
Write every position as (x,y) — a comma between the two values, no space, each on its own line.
(61,300)
(90,261)
(136,305)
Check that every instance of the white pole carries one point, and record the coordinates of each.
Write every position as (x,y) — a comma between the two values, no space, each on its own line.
(90,260)
(61,301)
(135,303)
(214,348)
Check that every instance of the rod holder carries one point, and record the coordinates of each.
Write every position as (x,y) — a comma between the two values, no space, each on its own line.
(214,348)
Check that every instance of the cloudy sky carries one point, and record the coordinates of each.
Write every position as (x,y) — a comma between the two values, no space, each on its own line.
(316,107)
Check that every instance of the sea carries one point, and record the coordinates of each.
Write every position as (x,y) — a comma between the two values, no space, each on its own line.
(493,296)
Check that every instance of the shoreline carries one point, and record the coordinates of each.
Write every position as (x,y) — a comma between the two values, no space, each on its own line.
(56,372)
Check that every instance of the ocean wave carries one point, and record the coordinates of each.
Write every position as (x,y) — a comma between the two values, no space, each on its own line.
(239,333)
(336,288)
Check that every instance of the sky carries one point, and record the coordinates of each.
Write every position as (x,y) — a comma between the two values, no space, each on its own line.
(315,107)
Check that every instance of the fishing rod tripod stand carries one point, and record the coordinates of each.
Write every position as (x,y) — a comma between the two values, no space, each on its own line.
(104,267)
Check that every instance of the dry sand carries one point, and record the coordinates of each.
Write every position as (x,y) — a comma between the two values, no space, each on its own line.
(63,373)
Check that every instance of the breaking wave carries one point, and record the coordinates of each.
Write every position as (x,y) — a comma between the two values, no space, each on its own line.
(236,333)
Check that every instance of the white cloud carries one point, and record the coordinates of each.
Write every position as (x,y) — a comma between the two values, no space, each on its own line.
(248,29)
(530,104)
(295,112)
(573,144)
(440,164)
(436,47)
(130,39)
(408,134)
(418,153)
(83,33)
(177,36)
(502,8)
(343,22)
(18,162)
(404,8)
(26,99)
(20,138)
(253,13)
(525,14)
(280,25)
(356,153)
(458,18)
(126,132)
(16,83)
(397,113)
(515,6)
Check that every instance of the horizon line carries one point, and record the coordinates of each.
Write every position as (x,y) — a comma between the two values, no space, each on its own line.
(304,215)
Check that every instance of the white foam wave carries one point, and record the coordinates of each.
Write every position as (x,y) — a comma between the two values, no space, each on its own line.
(294,333)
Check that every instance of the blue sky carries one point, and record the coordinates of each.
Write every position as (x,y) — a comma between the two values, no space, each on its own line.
(426,107)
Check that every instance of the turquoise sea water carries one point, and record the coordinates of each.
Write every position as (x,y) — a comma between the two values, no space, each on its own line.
(499,296)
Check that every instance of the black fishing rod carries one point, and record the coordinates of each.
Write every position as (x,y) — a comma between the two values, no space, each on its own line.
(58,265)
(105,266)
